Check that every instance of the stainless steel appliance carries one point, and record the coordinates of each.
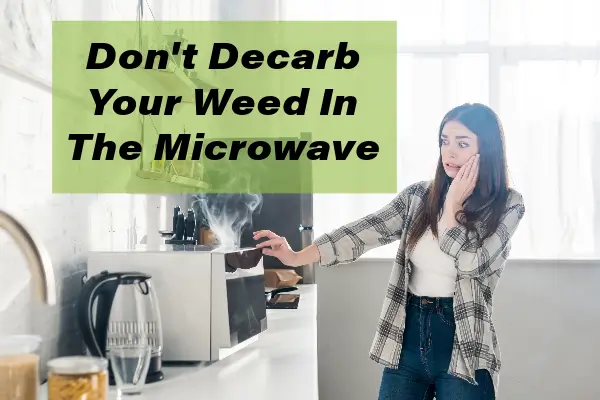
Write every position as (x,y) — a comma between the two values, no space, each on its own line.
(212,298)
(121,308)
(288,214)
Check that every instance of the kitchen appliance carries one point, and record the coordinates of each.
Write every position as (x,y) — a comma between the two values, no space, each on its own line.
(288,214)
(212,298)
(120,308)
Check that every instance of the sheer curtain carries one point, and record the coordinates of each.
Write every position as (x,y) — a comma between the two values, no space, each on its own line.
(537,63)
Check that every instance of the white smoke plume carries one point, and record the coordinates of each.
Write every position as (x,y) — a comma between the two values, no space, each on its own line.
(228,214)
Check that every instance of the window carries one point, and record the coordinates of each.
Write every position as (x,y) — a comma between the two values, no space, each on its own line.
(118,220)
(539,71)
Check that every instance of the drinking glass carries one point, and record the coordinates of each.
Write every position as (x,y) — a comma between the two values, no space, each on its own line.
(129,364)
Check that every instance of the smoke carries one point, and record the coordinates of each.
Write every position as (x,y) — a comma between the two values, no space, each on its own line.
(228,210)
(227,214)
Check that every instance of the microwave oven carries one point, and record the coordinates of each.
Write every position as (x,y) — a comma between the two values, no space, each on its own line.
(211,299)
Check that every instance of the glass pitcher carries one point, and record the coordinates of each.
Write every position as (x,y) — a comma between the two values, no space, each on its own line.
(134,322)
(119,309)
(19,367)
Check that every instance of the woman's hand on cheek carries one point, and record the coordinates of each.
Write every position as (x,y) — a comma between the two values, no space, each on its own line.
(463,184)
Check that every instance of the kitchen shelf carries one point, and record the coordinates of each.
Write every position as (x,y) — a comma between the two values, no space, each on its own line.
(172,178)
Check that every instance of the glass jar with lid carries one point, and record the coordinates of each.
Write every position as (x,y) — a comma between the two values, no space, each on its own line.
(19,366)
(78,378)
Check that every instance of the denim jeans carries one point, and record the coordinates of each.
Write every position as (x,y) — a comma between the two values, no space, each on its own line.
(425,358)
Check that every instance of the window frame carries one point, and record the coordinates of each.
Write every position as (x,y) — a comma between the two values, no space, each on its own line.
(501,56)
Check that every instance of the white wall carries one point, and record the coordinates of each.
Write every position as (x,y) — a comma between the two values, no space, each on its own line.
(68,225)
(547,316)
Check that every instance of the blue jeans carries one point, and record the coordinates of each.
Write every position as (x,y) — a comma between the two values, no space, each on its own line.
(425,358)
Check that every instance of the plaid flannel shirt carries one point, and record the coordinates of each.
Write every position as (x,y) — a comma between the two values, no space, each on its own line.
(479,268)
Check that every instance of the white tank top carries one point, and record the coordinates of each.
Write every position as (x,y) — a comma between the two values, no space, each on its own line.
(433,272)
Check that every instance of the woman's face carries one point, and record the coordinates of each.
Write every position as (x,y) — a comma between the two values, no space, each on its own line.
(458,145)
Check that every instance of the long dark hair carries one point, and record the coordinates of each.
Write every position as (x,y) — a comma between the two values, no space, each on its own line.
(488,201)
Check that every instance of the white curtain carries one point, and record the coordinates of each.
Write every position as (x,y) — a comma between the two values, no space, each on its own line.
(537,63)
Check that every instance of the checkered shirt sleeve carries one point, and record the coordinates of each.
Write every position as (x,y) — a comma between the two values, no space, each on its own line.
(350,241)
(477,258)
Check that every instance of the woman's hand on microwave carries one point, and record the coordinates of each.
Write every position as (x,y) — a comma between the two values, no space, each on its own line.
(276,246)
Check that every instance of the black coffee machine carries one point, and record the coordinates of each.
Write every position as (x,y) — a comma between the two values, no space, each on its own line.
(126,313)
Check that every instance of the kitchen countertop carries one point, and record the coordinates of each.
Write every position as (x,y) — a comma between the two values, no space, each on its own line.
(281,364)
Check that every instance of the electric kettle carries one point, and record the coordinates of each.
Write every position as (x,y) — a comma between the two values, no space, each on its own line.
(121,308)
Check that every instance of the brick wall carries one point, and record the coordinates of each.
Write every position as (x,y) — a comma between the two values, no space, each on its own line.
(60,221)
(69,225)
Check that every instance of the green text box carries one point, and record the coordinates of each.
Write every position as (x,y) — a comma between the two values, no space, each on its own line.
(248,144)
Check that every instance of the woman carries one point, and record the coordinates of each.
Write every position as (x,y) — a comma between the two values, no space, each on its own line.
(435,336)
